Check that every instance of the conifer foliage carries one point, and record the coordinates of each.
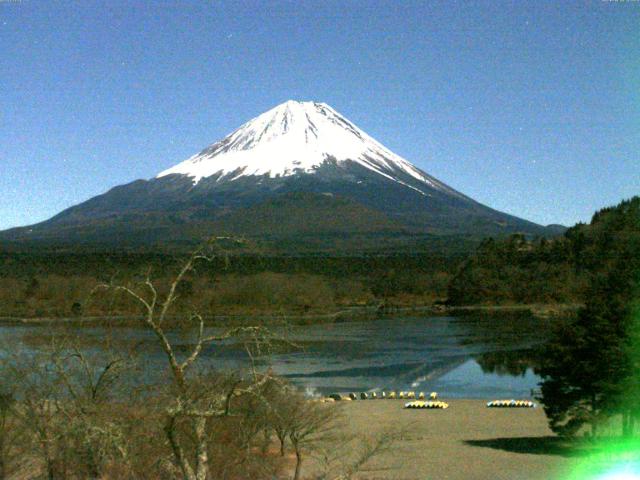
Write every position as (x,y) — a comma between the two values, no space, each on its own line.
(591,368)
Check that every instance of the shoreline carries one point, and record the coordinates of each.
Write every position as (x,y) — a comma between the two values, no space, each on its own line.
(355,313)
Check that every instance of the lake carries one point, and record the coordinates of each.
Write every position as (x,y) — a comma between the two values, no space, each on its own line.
(467,356)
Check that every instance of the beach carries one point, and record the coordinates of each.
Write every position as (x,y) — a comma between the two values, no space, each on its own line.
(464,442)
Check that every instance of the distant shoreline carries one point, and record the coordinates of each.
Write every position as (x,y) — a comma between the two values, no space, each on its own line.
(343,315)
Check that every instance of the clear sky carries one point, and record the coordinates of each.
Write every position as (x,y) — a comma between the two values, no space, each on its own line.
(532,108)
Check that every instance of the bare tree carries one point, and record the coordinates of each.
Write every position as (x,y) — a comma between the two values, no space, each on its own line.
(190,405)
(315,431)
(92,429)
(10,434)
(62,405)
(83,419)
(349,455)
(309,425)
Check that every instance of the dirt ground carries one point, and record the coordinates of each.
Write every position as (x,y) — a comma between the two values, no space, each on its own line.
(464,442)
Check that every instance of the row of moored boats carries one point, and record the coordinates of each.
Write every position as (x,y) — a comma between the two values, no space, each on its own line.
(383,396)
(511,404)
(421,400)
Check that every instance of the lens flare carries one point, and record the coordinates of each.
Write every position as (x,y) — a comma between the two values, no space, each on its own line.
(623,472)
(613,460)
(618,458)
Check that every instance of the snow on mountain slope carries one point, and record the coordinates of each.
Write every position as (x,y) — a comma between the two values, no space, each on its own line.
(298,137)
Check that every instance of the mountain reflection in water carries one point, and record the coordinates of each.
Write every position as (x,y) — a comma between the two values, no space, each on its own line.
(468,356)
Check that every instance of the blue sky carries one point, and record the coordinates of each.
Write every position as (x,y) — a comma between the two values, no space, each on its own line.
(532,108)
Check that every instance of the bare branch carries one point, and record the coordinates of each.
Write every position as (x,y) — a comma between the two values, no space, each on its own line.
(154,293)
(130,292)
(171,296)
(178,452)
(198,348)
(103,375)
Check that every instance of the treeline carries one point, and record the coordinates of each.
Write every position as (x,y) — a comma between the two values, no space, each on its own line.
(58,284)
(517,270)
(510,271)
(21,264)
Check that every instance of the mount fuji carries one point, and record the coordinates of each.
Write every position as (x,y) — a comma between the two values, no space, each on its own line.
(300,172)
(298,138)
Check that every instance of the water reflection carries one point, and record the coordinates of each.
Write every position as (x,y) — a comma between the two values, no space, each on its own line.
(466,356)
(418,354)
(509,362)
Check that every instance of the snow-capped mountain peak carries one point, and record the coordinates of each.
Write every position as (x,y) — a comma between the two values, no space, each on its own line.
(298,176)
(296,137)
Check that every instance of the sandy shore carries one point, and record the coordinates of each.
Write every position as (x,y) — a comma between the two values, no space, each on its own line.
(464,442)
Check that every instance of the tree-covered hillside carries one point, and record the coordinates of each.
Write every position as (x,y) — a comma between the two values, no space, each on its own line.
(518,270)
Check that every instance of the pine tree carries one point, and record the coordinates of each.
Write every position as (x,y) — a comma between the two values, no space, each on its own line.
(590,368)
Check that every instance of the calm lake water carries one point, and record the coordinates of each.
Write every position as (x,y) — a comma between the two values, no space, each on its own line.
(472,357)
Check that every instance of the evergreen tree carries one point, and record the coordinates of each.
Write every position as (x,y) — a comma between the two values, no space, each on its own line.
(590,368)
(631,388)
